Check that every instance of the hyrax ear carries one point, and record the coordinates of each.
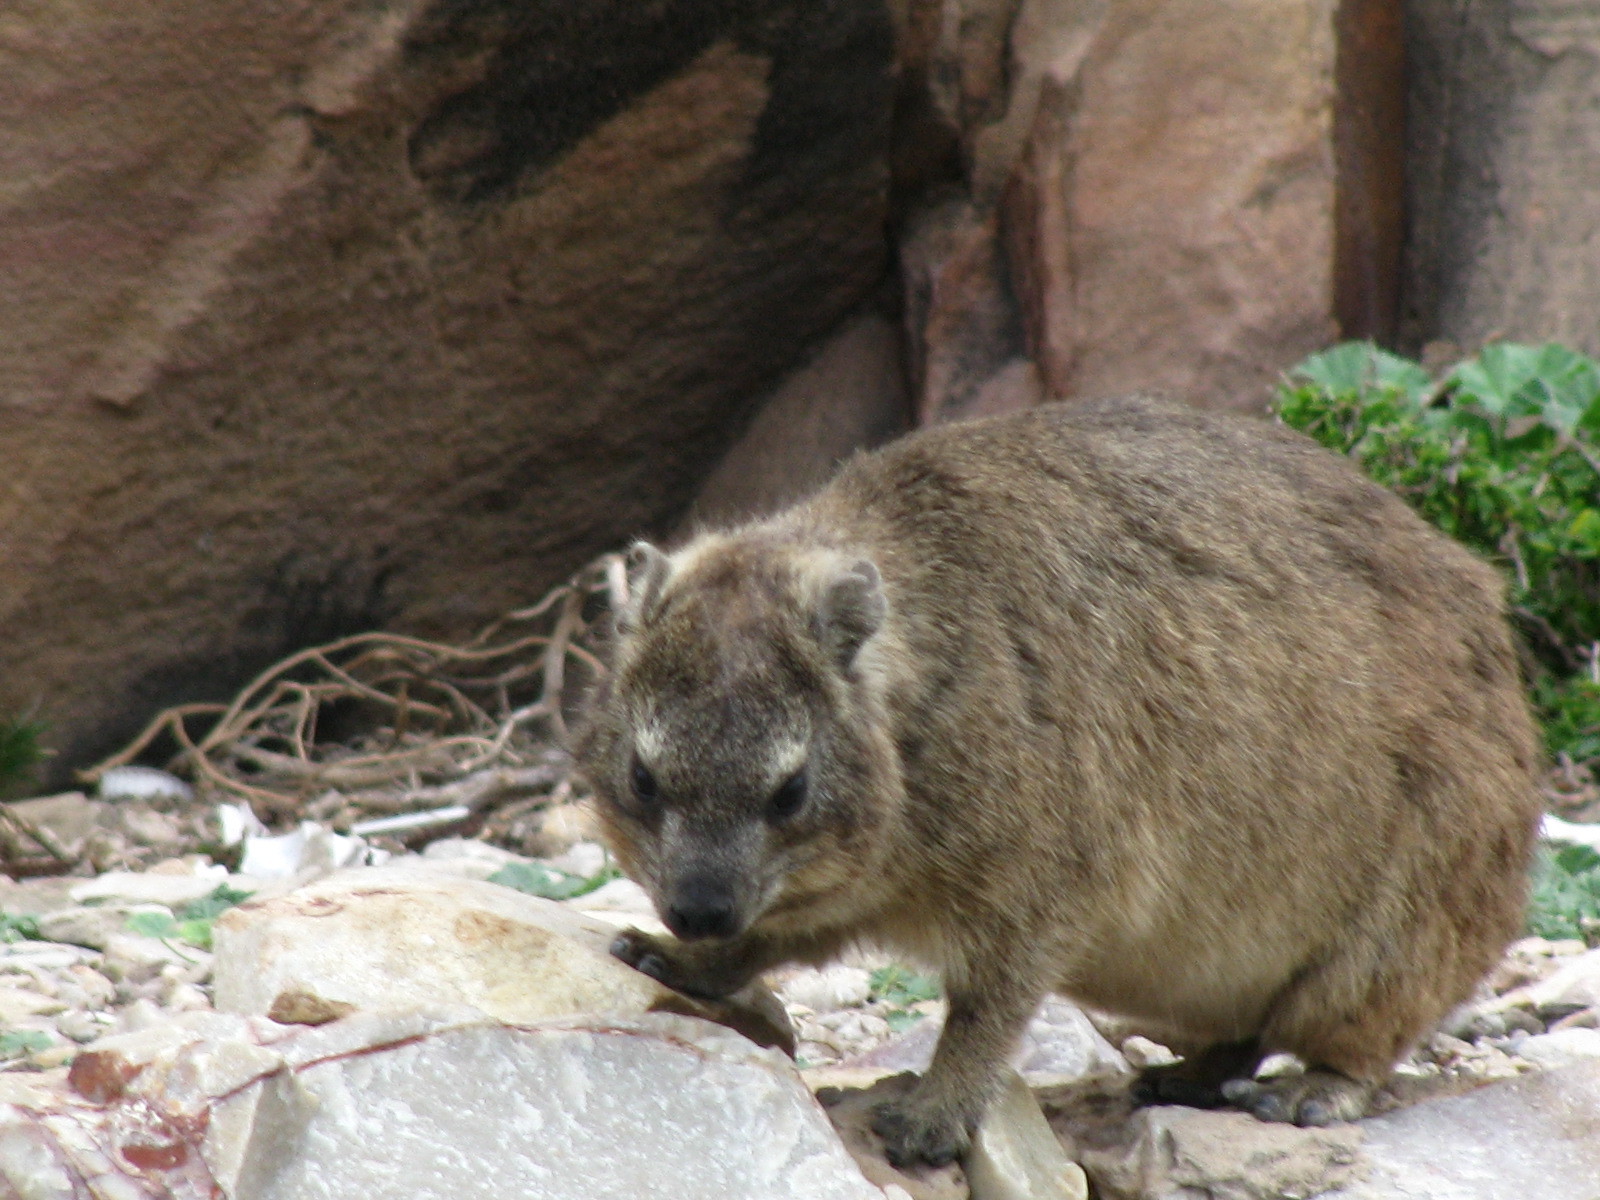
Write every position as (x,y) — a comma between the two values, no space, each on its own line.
(647,571)
(851,611)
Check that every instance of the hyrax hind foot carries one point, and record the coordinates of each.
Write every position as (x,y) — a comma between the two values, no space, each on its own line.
(1319,1097)
(921,1131)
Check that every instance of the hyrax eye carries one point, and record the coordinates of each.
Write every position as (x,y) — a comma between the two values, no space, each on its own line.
(645,789)
(791,794)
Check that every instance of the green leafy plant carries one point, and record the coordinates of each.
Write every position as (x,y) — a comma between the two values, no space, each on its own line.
(552,883)
(191,923)
(20,753)
(1566,893)
(900,988)
(1503,453)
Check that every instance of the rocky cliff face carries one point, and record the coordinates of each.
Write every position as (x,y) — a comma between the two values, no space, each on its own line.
(329,315)
(1503,173)
(348,314)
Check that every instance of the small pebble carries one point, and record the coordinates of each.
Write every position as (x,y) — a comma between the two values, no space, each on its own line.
(96,988)
(83,1026)
(1142,1053)
(1584,1018)
(185,997)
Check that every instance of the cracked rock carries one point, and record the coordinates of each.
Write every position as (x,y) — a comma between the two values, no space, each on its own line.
(429,1106)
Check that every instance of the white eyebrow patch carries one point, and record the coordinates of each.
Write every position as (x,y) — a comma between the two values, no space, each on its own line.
(785,758)
(649,743)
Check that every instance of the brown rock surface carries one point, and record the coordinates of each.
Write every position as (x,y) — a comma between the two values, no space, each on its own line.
(849,394)
(1504,178)
(355,315)
(326,316)
(1193,195)
(1173,1153)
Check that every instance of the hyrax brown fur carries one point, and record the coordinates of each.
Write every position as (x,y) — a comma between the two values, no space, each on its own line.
(1171,712)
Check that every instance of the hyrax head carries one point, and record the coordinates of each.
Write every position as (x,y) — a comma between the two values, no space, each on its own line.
(732,749)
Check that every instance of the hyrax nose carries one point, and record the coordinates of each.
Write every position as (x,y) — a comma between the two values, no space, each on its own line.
(702,908)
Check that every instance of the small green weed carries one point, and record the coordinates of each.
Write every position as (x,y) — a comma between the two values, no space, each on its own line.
(16,1043)
(18,928)
(901,988)
(1566,893)
(552,883)
(191,923)
(20,754)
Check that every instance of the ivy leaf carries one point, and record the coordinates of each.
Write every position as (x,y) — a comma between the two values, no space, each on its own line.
(218,902)
(195,932)
(19,928)
(1585,530)
(1575,860)
(1553,383)
(1495,379)
(1360,366)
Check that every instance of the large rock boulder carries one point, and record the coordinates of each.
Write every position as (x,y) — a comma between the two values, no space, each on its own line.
(425,1106)
(402,938)
(320,317)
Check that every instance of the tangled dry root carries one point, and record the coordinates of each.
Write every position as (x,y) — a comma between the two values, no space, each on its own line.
(380,723)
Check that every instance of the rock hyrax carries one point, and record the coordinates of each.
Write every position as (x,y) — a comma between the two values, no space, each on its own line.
(1172,712)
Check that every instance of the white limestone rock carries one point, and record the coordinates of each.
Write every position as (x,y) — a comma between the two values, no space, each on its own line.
(429,1106)
(662,1106)
(464,856)
(622,904)
(823,989)
(1015,1156)
(143,783)
(1574,985)
(402,937)
(1060,1043)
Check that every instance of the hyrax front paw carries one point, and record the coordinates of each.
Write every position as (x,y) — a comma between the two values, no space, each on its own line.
(666,962)
(647,953)
(920,1133)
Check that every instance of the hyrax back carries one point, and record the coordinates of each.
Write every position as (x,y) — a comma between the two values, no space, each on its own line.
(1174,713)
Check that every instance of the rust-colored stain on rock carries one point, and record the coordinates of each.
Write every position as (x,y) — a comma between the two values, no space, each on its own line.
(101,1075)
